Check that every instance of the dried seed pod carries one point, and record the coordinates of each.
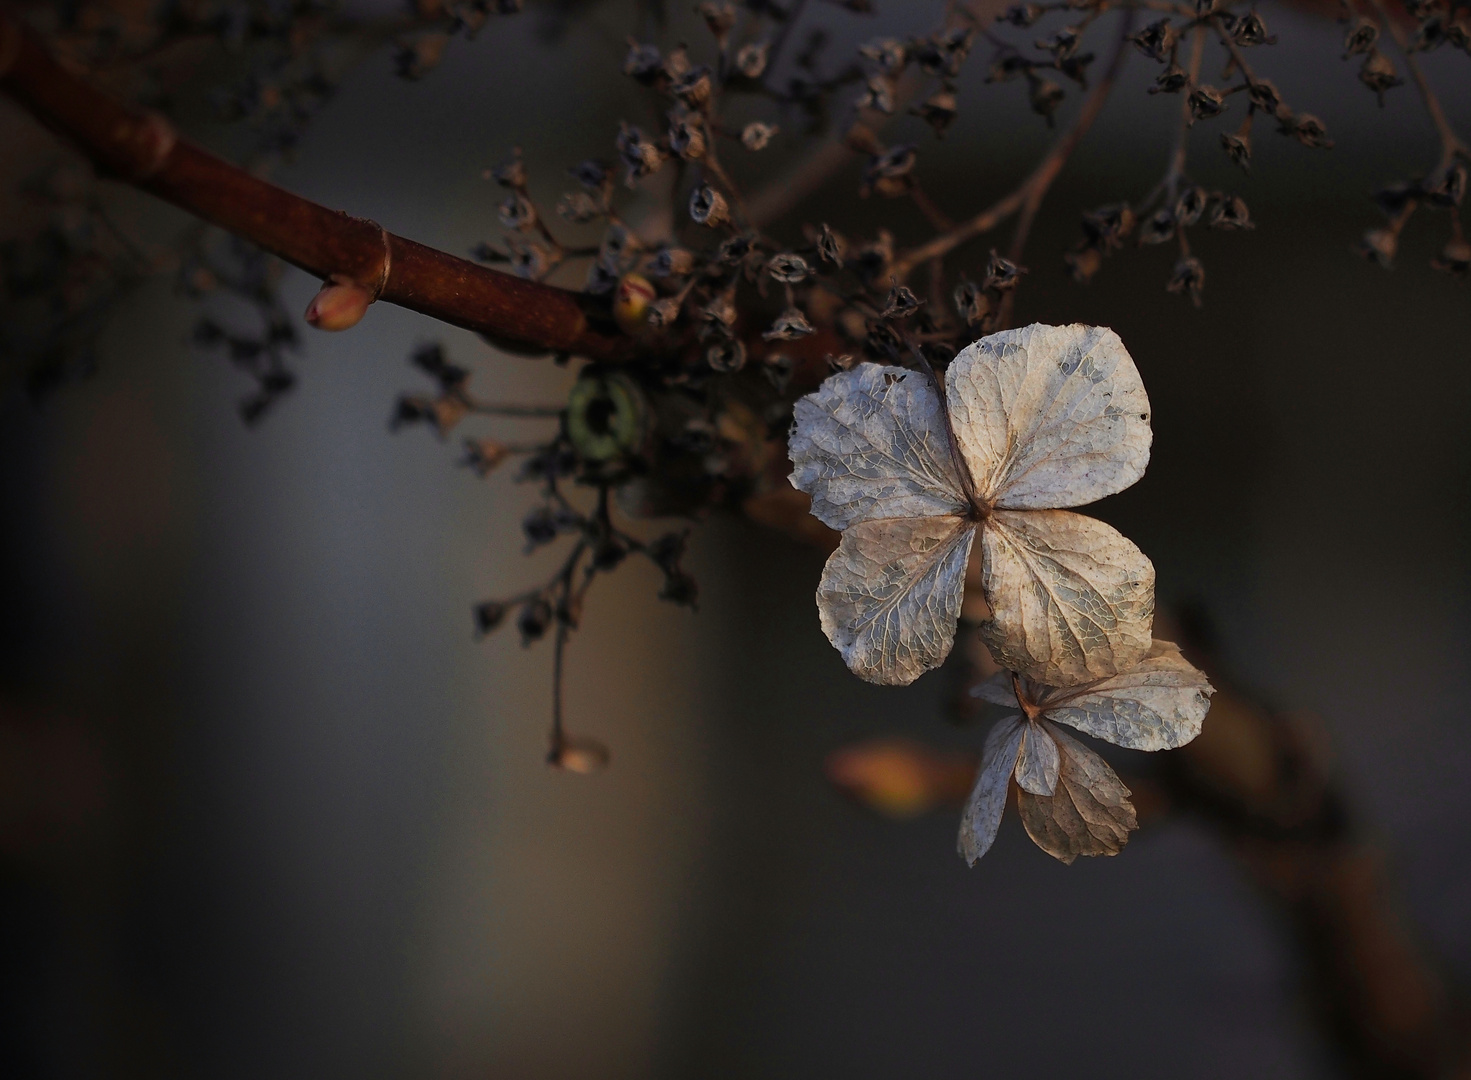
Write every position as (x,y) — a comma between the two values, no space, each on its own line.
(756,135)
(708,207)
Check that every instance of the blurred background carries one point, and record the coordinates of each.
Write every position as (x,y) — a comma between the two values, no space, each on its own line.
(267,809)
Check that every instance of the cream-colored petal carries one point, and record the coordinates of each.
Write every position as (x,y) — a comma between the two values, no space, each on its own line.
(1088,814)
(987,800)
(998,690)
(1158,704)
(1049,416)
(1072,600)
(871,443)
(1037,763)
(890,595)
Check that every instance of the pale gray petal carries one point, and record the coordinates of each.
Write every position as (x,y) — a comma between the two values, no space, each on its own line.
(997,689)
(1037,763)
(871,443)
(1088,814)
(1157,705)
(890,595)
(1072,600)
(987,800)
(1049,416)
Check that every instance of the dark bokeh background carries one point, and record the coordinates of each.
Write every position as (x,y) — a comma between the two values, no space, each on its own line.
(267,810)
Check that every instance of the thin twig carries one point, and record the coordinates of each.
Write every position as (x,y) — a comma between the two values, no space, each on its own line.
(1451,144)
(1035,185)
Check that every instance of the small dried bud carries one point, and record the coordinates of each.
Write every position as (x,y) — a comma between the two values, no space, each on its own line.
(687,135)
(1188,279)
(1156,41)
(719,315)
(888,54)
(601,280)
(1309,130)
(631,302)
(1265,96)
(579,207)
(901,303)
(756,135)
(1229,212)
(1454,258)
(1430,34)
(517,212)
(1172,81)
(338,306)
(1249,30)
(1109,226)
(735,249)
(878,94)
(708,207)
(1190,205)
(530,260)
(664,313)
(511,173)
(1379,75)
(843,362)
(643,62)
(788,268)
(540,526)
(1159,227)
(726,356)
(671,262)
(592,175)
(488,616)
(938,110)
(1361,38)
(640,155)
(578,755)
(719,17)
(971,303)
(750,60)
(889,173)
(830,246)
(1380,245)
(1008,67)
(1446,188)
(1002,275)
(676,64)
(1083,263)
(1206,103)
(483,455)
(1045,96)
(1238,149)
(943,53)
(695,87)
(789,325)
(1063,43)
(1022,15)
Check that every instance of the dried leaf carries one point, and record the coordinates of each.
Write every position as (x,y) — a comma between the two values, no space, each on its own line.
(1072,599)
(997,689)
(1089,813)
(1037,761)
(1049,416)
(890,595)
(987,800)
(1158,705)
(871,443)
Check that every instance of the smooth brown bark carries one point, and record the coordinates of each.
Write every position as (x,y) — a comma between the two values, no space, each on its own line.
(141,149)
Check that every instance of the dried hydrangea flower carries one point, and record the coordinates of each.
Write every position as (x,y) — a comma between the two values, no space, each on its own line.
(1070,801)
(1032,420)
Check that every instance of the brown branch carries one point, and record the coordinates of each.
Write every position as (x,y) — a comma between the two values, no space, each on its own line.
(1035,186)
(141,149)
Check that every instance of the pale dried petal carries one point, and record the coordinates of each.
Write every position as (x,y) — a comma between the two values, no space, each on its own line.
(1072,600)
(998,690)
(1049,416)
(987,800)
(890,595)
(1158,705)
(1088,814)
(1037,763)
(871,443)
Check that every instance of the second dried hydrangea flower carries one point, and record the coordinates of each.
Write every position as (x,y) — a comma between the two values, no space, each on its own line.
(1040,418)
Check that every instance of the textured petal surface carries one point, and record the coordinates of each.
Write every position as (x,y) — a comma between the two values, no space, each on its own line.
(987,800)
(1157,705)
(890,595)
(1049,416)
(1072,600)
(998,690)
(871,443)
(1037,763)
(1088,814)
